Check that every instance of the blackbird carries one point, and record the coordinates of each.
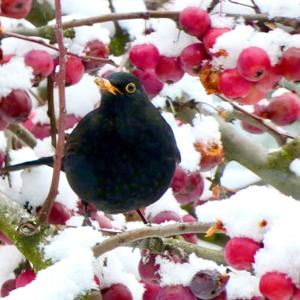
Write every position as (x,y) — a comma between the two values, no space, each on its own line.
(122,155)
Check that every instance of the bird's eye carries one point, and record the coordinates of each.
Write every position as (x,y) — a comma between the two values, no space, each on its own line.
(130,88)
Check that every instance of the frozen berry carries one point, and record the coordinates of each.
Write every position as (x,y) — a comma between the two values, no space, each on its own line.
(40,61)
(151,84)
(276,286)
(233,85)
(15,8)
(192,57)
(24,278)
(194,20)
(95,48)
(168,69)
(239,252)
(15,107)
(144,56)
(117,292)
(289,64)
(253,63)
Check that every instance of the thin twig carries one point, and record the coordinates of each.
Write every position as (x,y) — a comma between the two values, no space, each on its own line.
(255,6)
(121,16)
(212,5)
(242,4)
(51,110)
(43,43)
(280,137)
(128,237)
(46,208)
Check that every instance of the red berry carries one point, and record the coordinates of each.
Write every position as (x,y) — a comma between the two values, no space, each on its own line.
(191,58)
(148,269)
(253,63)
(290,64)
(144,56)
(5,59)
(74,69)
(117,292)
(102,219)
(254,96)
(151,84)
(175,292)
(164,216)
(187,186)
(283,109)
(24,278)
(211,35)
(98,49)
(168,69)
(151,291)
(233,85)
(239,252)
(15,107)
(276,286)
(194,20)
(40,61)
(7,287)
(59,214)
(207,284)
(270,81)
(15,8)
(296,295)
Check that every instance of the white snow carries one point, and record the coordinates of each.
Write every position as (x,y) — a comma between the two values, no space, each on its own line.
(64,280)
(8,78)
(295,166)
(182,273)
(166,202)
(10,258)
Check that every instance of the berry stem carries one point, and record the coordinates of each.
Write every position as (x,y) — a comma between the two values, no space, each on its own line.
(46,208)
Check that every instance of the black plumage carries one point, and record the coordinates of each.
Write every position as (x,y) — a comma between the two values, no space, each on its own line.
(122,155)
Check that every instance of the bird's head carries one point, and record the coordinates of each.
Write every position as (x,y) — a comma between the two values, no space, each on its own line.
(120,83)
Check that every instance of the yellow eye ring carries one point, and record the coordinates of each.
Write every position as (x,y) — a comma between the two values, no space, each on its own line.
(130,88)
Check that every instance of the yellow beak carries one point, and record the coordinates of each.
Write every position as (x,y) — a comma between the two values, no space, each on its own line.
(105,85)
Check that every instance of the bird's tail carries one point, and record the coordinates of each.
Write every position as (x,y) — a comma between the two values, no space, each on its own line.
(48,160)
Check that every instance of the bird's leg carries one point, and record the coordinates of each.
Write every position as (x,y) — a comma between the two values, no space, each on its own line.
(142,217)
(86,215)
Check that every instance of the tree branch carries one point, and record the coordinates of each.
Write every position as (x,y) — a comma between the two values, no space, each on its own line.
(128,237)
(45,210)
(273,168)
